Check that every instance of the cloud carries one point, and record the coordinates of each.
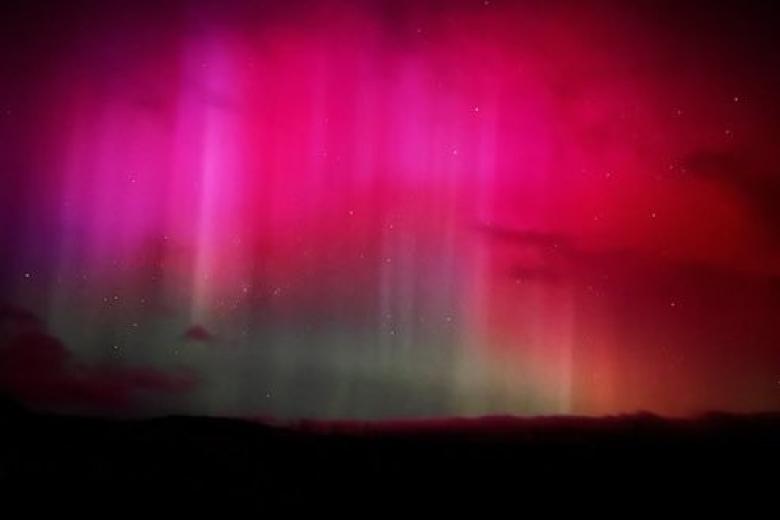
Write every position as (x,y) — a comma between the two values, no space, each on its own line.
(39,370)
(759,188)
(198,333)
(530,237)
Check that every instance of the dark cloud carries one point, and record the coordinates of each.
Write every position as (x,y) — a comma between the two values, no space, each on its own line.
(38,369)
(198,333)
(15,321)
(759,188)
(530,237)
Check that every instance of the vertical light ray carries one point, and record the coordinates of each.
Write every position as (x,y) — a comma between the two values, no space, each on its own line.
(216,262)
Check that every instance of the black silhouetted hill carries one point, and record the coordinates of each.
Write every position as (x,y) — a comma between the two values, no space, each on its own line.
(192,462)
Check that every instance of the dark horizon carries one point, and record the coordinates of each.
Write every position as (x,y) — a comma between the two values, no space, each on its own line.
(223,465)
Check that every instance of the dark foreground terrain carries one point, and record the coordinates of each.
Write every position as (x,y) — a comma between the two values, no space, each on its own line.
(192,463)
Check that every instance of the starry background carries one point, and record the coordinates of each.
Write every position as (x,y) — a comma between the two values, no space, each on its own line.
(381,209)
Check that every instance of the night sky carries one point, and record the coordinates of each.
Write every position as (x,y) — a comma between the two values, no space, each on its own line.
(385,209)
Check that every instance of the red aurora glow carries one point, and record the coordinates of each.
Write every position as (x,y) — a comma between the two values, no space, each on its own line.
(404,208)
